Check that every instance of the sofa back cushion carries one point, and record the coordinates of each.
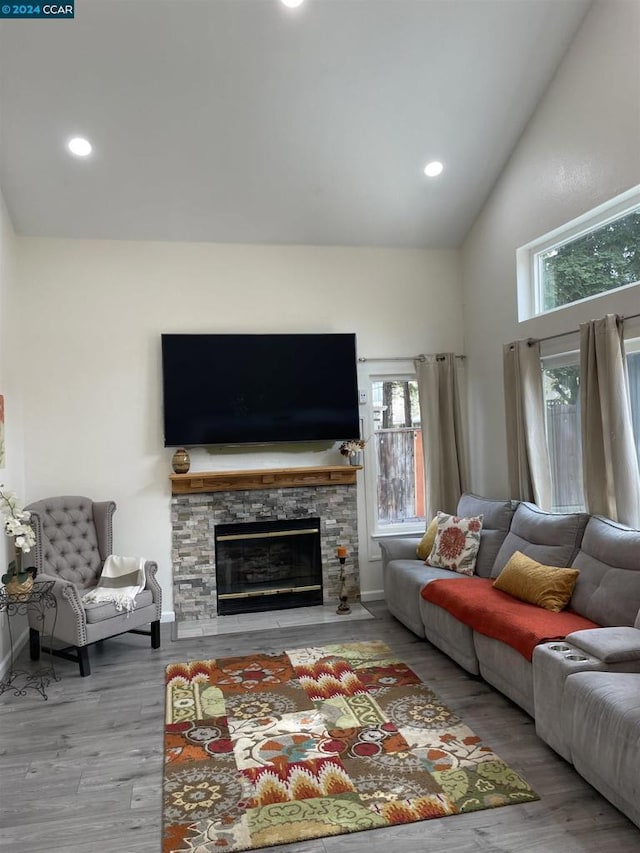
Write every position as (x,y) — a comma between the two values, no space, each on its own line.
(550,538)
(608,587)
(496,520)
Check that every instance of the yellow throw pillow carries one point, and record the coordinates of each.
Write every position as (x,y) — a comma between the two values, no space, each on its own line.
(545,586)
(426,543)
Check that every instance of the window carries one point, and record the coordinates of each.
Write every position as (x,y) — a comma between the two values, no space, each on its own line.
(593,255)
(397,455)
(601,260)
(561,383)
(633,367)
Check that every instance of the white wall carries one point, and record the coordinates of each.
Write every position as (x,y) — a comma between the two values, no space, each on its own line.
(581,147)
(12,474)
(93,393)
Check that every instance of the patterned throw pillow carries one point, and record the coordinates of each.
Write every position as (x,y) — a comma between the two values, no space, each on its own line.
(456,543)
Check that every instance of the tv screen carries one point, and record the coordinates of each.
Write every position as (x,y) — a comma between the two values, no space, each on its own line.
(259,389)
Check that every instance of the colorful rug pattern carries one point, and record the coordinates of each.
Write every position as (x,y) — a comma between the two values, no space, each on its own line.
(275,748)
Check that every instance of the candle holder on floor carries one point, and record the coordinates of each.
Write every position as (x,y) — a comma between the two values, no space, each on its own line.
(343,605)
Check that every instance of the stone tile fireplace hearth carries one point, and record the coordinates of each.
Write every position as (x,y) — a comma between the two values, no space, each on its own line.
(202,502)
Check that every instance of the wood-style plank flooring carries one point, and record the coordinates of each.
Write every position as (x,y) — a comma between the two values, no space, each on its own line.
(82,772)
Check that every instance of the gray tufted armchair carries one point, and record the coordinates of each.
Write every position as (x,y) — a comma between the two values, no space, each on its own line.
(73,539)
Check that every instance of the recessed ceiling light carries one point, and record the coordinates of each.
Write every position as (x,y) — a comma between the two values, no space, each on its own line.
(80,146)
(292,4)
(433,169)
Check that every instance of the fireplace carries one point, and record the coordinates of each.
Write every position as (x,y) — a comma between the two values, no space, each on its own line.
(202,502)
(268,565)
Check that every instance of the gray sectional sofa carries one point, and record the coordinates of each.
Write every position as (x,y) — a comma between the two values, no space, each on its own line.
(583,690)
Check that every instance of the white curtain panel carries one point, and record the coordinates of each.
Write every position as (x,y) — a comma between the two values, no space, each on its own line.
(527,451)
(443,437)
(609,461)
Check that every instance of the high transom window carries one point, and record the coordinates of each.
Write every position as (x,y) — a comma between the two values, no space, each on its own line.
(595,254)
(603,259)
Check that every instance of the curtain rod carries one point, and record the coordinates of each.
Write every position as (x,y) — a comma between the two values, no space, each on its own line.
(533,341)
(420,357)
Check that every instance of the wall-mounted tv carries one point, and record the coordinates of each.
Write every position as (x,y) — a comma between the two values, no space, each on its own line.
(259,389)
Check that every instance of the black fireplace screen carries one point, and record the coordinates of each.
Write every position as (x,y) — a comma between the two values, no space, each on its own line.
(268,565)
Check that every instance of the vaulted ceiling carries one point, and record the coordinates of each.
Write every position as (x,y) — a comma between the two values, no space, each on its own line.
(246,121)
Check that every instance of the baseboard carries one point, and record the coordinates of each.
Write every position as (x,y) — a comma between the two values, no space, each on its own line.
(168,616)
(372,595)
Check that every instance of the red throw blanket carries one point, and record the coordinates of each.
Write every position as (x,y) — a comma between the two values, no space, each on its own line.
(493,613)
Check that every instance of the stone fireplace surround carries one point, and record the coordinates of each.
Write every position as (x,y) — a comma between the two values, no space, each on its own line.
(201,500)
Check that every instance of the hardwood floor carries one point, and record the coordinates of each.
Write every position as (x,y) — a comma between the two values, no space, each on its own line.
(82,772)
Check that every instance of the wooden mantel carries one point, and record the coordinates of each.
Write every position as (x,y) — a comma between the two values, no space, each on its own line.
(265,478)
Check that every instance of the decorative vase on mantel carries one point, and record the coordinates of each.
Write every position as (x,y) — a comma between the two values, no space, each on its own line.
(181,461)
(355,459)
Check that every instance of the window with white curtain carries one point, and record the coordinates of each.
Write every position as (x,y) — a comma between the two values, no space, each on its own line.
(561,385)
(633,366)
(397,454)
(393,464)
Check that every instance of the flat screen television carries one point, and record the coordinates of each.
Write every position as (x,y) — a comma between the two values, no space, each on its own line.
(259,389)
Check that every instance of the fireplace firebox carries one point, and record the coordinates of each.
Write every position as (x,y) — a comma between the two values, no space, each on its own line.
(268,565)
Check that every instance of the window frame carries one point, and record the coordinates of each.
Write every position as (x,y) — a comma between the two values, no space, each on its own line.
(529,285)
(381,371)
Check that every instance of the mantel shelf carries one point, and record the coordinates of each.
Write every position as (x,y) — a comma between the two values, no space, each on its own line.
(264,478)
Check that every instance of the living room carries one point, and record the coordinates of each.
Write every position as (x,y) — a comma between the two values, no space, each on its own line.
(80,369)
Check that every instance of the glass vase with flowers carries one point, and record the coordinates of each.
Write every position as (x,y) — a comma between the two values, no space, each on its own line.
(17,526)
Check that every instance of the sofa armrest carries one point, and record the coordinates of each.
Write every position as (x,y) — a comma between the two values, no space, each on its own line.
(150,571)
(399,549)
(610,645)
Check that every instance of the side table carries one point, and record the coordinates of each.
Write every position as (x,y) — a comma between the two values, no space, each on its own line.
(37,602)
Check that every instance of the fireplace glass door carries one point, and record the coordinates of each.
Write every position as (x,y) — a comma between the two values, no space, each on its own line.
(268,565)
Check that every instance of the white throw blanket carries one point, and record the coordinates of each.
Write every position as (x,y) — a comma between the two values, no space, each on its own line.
(121,580)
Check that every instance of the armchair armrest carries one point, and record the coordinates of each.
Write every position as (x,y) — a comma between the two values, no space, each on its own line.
(71,623)
(150,571)
(610,645)
(399,549)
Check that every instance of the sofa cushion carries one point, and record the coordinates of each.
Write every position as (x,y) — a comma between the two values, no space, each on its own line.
(403,580)
(550,538)
(600,716)
(101,610)
(426,543)
(456,544)
(493,613)
(496,521)
(608,588)
(544,586)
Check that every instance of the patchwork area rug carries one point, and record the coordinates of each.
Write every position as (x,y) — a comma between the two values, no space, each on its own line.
(275,748)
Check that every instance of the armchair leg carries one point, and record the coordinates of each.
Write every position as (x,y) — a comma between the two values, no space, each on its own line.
(83,660)
(34,644)
(155,634)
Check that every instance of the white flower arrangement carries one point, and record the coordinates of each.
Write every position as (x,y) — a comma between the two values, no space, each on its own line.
(350,448)
(16,521)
